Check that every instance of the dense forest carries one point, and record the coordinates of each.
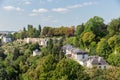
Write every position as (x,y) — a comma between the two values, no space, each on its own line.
(94,36)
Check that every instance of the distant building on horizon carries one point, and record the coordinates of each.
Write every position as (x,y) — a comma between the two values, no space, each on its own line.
(6,39)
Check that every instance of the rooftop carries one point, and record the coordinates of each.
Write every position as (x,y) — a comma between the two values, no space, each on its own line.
(73,49)
(96,60)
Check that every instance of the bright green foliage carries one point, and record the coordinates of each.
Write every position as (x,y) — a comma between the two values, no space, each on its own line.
(112,73)
(112,41)
(114,59)
(117,49)
(114,26)
(87,38)
(96,25)
(79,29)
(69,70)
(103,49)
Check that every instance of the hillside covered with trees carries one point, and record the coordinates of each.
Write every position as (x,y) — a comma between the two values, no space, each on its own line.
(94,36)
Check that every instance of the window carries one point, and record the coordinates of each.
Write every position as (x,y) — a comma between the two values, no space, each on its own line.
(99,63)
(99,66)
(83,56)
(104,67)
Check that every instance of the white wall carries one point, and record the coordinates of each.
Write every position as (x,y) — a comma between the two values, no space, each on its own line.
(36,53)
(103,66)
(80,56)
(89,65)
(68,52)
(6,40)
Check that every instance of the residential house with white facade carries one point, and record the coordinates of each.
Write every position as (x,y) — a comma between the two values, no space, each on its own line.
(6,39)
(97,61)
(36,52)
(40,41)
(75,53)
(82,57)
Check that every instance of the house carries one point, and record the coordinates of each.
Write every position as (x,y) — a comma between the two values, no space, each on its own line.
(96,61)
(75,53)
(40,41)
(67,49)
(83,59)
(36,52)
(43,42)
(6,39)
(79,54)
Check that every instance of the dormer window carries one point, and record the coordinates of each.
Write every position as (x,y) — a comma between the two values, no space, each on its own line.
(83,56)
(104,67)
(99,66)
(99,63)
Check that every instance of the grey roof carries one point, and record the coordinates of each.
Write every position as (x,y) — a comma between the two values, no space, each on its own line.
(78,51)
(96,60)
(68,47)
(73,49)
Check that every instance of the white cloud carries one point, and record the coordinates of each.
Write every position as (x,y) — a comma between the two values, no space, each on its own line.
(8,8)
(65,9)
(27,2)
(81,5)
(41,10)
(60,9)
(12,8)
(19,9)
(45,1)
(75,6)
(32,14)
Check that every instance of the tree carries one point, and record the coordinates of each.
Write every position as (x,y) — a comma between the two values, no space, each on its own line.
(114,27)
(112,42)
(50,45)
(114,59)
(3,74)
(103,49)
(87,38)
(30,30)
(16,53)
(39,29)
(34,46)
(45,31)
(2,55)
(96,25)
(79,30)
(69,70)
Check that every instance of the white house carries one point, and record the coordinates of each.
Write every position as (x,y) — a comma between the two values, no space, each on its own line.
(40,41)
(79,54)
(96,61)
(6,39)
(43,42)
(82,57)
(75,53)
(36,52)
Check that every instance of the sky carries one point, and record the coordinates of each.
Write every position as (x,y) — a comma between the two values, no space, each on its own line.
(16,14)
